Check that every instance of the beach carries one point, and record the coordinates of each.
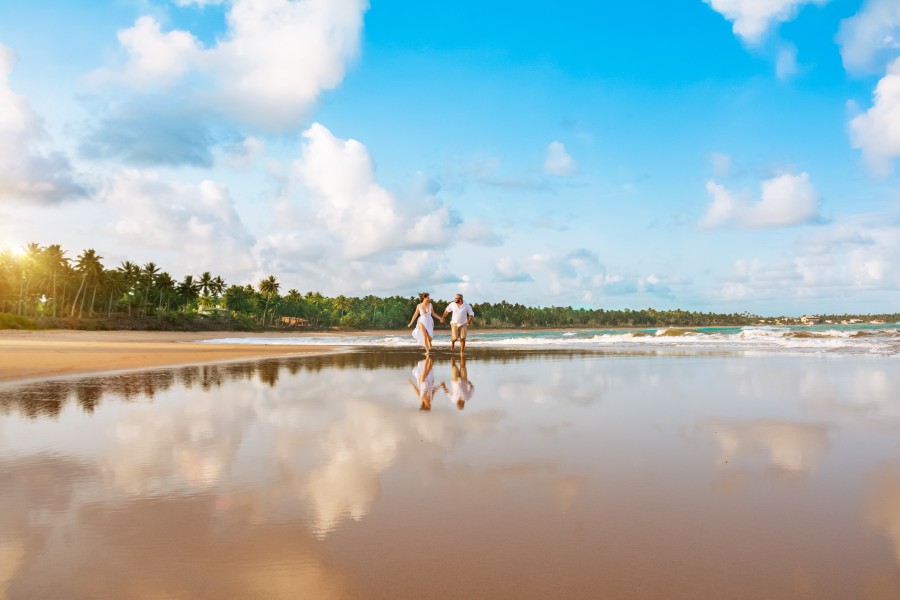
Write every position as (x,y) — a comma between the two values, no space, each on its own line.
(591,464)
(56,353)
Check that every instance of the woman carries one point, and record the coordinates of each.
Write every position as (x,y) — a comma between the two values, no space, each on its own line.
(423,316)
(423,383)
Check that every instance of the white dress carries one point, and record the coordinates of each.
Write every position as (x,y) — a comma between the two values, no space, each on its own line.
(425,318)
(426,385)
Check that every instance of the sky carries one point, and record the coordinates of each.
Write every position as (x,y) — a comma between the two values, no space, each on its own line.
(708,155)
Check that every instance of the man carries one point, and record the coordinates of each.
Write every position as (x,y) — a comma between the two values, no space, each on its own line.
(463,315)
(462,388)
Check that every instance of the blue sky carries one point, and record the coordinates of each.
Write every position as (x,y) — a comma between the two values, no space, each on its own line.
(714,155)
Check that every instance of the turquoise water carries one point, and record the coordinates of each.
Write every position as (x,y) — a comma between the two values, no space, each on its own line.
(882,340)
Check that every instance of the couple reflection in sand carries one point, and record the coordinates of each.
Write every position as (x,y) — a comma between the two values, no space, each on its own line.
(422,381)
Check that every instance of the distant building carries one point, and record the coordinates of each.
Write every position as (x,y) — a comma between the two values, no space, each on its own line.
(292,322)
(810,320)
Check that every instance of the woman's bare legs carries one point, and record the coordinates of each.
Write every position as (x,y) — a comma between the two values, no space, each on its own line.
(426,339)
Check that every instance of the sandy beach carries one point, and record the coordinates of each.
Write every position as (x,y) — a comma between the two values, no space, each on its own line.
(28,355)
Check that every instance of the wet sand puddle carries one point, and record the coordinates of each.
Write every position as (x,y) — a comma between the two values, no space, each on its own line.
(377,474)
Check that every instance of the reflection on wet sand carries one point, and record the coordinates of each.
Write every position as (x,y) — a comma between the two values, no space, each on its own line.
(461,387)
(794,447)
(884,505)
(570,476)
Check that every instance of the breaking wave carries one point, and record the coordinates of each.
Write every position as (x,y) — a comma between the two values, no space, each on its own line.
(832,339)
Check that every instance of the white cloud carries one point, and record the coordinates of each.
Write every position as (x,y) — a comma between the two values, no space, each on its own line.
(198,221)
(267,69)
(244,155)
(342,228)
(871,37)
(850,257)
(478,231)
(27,171)
(787,200)
(877,131)
(558,161)
(155,57)
(579,276)
(753,18)
(508,269)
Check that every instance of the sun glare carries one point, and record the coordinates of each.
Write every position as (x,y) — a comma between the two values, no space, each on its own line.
(16,250)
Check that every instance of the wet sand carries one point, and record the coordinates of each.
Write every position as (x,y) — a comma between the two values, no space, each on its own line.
(27,355)
(575,475)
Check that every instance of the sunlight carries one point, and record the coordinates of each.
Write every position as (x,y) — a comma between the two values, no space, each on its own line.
(16,250)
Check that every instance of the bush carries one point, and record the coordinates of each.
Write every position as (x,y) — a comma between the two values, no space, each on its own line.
(8,321)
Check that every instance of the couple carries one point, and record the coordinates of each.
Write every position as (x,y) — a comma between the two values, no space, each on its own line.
(425,388)
(423,317)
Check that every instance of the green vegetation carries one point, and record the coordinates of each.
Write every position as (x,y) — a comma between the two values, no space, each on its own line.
(41,286)
(8,321)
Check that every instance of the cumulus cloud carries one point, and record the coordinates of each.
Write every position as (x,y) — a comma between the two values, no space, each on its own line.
(752,18)
(853,255)
(243,155)
(364,216)
(508,269)
(579,276)
(28,172)
(199,221)
(156,58)
(871,37)
(558,162)
(267,69)
(353,232)
(877,131)
(787,200)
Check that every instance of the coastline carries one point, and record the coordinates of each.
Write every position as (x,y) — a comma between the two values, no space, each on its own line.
(34,355)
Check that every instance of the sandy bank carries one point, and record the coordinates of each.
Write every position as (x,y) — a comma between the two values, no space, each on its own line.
(28,355)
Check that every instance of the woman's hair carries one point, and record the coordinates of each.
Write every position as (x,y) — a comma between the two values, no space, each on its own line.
(423,295)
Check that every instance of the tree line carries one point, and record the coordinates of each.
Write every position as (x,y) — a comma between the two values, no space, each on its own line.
(42,283)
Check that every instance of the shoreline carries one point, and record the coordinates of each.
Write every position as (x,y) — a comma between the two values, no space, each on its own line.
(46,354)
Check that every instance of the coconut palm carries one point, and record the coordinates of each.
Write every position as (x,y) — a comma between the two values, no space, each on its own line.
(217,287)
(268,287)
(90,268)
(165,287)
(131,273)
(148,280)
(54,262)
(188,289)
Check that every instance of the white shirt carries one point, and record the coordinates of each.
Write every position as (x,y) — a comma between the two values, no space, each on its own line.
(460,312)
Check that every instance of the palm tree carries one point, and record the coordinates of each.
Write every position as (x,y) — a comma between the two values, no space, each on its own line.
(116,284)
(217,287)
(148,278)
(130,274)
(89,265)
(54,261)
(188,290)
(165,285)
(205,282)
(27,269)
(268,287)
